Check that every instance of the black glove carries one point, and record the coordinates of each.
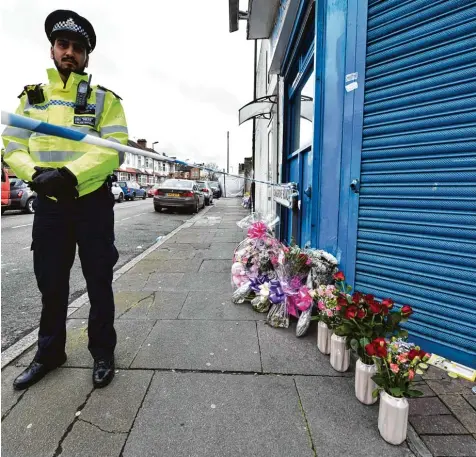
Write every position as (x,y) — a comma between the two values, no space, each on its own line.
(55,182)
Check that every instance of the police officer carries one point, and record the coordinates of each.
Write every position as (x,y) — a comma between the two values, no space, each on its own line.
(74,205)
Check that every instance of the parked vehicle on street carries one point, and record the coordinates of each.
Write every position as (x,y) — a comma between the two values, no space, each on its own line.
(204,186)
(215,185)
(5,189)
(117,192)
(21,196)
(132,190)
(178,194)
(153,190)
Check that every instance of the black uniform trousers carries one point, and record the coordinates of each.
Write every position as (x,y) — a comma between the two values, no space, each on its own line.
(87,222)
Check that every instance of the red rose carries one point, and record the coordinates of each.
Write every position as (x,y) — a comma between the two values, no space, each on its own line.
(385,310)
(356,297)
(369,298)
(351,312)
(361,313)
(423,354)
(370,349)
(375,308)
(341,301)
(379,341)
(339,276)
(382,351)
(388,303)
(406,310)
(413,353)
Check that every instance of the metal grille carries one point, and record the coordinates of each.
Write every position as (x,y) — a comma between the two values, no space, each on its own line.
(417,215)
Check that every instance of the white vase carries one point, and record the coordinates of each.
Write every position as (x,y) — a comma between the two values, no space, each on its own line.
(364,386)
(393,418)
(340,356)
(324,338)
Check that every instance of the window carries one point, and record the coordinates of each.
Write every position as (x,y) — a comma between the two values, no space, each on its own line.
(147,162)
(304,113)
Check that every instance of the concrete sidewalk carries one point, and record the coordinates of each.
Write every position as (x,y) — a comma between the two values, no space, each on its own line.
(199,376)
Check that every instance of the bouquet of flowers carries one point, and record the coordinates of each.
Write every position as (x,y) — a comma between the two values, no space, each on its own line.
(323,268)
(278,315)
(256,257)
(397,363)
(328,310)
(364,318)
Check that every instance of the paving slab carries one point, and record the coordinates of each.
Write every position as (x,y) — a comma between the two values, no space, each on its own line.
(215,254)
(431,406)
(169,254)
(206,281)
(234,237)
(86,440)
(114,409)
(130,335)
(192,237)
(132,282)
(164,282)
(463,411)
(451,446)
(437,425)
(204,415)
(123,300)
(158,305)
(340,425)
(425,389)
(283,352)
(201,345)
(471,399)
(35,426)
(215,266)
(450,386)
(217,306)
(10,396)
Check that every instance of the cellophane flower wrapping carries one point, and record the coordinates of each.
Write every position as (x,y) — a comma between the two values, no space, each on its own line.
(255,259)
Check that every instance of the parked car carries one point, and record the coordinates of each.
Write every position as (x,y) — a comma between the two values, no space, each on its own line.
(118,193)
(131,190)
(153,190)
(204,186)
(179,193)
(21,196)
(215,185)
(5,190)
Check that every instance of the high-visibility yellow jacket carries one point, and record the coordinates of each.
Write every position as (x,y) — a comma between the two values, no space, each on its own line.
(103,116)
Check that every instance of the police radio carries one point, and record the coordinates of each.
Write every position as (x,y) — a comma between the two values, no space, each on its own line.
(84,91)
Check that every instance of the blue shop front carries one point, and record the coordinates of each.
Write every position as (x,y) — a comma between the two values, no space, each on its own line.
(372,108)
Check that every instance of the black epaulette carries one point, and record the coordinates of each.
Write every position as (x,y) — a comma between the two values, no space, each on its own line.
(24,91)
(109,90)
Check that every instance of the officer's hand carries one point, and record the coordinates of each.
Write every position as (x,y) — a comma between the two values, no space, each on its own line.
(57,182)
(40,170)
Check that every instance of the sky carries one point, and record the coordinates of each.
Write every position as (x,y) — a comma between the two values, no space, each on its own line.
(181,74)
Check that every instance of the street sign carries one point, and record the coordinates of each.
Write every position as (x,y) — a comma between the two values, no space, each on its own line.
(285,194)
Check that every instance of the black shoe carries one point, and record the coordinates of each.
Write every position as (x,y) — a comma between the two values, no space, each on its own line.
(34,373)
(103,372)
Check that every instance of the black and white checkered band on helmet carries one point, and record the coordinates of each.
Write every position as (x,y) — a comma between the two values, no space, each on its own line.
(71,26)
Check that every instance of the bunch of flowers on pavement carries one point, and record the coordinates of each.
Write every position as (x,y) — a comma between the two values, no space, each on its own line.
(256,257)
(363,318)
(398,361)
(328,310)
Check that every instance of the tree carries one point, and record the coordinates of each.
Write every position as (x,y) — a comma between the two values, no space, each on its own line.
(212,176)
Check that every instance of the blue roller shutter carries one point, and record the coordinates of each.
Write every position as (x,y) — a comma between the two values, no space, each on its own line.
(416,236)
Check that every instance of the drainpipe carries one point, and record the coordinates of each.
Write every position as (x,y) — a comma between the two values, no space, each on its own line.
(253,185)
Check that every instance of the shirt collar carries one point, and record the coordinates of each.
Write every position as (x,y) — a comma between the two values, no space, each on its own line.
(55,79)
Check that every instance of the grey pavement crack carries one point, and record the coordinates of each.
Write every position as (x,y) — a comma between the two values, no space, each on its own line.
(152,294)
(311,442)
(59,448)
(145,339)
(121,454)
(5,415)
(114,432)
(259,346)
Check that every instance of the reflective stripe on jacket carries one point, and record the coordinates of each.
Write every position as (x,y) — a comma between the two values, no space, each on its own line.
(103,116)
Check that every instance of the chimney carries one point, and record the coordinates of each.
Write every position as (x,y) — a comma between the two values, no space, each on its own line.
(142,143)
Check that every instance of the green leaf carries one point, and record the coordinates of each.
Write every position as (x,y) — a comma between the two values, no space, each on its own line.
(403,334)
(354,344)
(423,366)
(396,391)
(418,371)
(364,341)
(375,393)
(414,393)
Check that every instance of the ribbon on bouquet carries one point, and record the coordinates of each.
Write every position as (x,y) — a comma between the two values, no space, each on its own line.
(256,282)
(300,300)
(276,292)
(258,230)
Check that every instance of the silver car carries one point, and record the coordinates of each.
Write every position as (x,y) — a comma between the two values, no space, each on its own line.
(22,197)
(179,194)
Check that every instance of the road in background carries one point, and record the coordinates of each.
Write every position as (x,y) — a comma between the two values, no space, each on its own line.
(137,227)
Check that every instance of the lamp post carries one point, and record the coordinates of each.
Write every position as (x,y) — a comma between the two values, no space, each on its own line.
(155,142)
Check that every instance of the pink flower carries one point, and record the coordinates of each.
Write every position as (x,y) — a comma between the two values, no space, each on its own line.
(274,260)
(308,261)
(329,312)
(394,367)
(338,307)
(411,375)
(321,305)
(285,249)
(403,358)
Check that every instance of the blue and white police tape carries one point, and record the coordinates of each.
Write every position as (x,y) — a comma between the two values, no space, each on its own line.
(22,122)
